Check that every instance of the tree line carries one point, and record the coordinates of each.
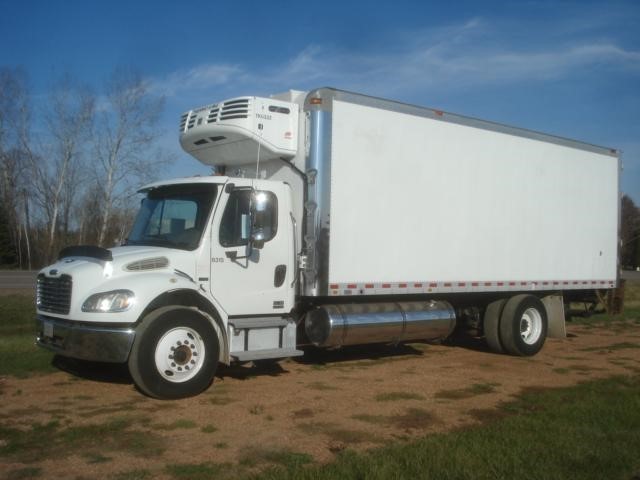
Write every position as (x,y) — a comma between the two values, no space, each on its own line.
(70,160)
(629,234)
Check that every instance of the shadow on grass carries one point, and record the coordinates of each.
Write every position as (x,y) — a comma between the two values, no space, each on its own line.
(358,356)
(248,370)
(361,354)
(96,371)
(468,342)
(118,373)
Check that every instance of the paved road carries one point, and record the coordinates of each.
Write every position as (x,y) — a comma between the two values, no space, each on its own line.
(17,279)
(630,275)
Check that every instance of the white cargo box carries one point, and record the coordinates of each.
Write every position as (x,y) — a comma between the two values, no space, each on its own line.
(425,201)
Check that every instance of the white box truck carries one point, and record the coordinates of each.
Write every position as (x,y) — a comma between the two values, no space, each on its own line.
(338,219)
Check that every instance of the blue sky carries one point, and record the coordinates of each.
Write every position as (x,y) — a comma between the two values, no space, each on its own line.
(567,68)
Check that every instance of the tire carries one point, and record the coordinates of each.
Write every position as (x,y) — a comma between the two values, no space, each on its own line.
(175,353)
(523,325)
(491,325)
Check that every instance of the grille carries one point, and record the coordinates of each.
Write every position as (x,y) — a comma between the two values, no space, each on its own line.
(148,264)
(192,120)
(54,294)
(183,121)
(235,109)
(213,115)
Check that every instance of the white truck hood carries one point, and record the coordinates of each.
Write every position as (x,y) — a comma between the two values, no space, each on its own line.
(145,270)
(125,260)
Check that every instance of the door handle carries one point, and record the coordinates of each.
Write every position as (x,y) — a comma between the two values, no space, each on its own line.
(295,249)
(279,275)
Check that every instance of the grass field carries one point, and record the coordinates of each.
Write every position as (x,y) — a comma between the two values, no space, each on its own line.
(591,431)
(588,431)
(18,354)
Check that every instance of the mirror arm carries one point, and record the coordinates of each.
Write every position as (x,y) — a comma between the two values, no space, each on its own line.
(233,255)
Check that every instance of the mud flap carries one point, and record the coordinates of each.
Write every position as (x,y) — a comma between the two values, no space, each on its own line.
(554,305)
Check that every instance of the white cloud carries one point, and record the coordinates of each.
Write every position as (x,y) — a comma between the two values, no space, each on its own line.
(456,60)
(197,78)
(474,53)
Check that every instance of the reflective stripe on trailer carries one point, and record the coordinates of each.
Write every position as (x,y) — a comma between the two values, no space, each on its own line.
(387,288)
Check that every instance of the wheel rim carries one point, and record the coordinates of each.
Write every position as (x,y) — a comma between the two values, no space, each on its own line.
(531,326)
(180,354)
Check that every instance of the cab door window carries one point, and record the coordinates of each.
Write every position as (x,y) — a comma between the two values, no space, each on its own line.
(248,210)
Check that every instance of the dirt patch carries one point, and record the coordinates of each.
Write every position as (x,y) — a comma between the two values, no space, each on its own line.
(4,292)
(466,392)
(95,424)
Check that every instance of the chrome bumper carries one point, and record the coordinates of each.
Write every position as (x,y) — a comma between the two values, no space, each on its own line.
(99,344)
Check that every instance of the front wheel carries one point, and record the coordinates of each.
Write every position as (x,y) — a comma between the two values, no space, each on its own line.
(175,353)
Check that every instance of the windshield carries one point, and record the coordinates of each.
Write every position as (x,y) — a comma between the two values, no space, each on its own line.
(173,216)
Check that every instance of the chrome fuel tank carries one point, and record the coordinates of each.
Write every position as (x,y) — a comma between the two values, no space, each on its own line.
(357,324)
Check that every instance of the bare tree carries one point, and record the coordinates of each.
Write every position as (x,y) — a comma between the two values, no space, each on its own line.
(13,108)
(125,136)
(88,214)
(68,121)
(49,194)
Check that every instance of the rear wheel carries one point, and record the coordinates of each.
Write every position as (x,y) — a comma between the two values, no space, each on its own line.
(523,325)
(491,325)
(175,354)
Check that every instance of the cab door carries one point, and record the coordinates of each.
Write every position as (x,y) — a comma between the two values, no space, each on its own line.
(252,257)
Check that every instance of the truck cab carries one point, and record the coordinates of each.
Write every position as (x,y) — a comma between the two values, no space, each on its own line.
(215,252)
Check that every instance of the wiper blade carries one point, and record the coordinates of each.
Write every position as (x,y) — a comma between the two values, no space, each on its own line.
(160,242)
(157,242)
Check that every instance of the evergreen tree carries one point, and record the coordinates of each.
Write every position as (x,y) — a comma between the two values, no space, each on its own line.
(8,255)
(629,233)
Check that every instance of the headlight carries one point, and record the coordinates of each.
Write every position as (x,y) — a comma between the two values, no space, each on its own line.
(114,301)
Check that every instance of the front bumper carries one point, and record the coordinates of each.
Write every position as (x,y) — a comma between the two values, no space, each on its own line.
(85,342)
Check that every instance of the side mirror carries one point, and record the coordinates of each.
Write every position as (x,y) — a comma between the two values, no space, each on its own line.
(257,238)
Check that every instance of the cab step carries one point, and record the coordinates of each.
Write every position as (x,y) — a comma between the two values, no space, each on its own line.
(266,354)
(262,338)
